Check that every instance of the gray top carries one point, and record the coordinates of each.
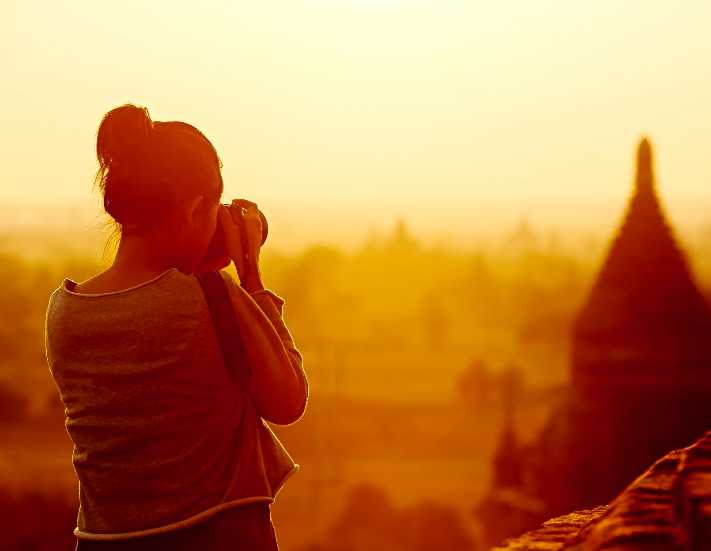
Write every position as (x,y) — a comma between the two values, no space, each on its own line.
(162,437)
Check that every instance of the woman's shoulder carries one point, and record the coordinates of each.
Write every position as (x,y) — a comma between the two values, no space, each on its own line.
(170,290)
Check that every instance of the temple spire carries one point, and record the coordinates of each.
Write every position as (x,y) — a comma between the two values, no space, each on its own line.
(645,170)
(644,300)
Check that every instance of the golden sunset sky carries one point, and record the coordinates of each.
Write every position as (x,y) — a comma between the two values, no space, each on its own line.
(441,111)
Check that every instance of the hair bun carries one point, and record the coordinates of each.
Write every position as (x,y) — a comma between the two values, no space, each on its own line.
(124,134)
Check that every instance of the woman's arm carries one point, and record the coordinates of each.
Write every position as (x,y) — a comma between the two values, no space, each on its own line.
(278,384)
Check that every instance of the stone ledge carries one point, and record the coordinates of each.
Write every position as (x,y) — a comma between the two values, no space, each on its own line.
(668,507)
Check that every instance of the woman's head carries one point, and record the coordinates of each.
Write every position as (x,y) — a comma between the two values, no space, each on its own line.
(160,180)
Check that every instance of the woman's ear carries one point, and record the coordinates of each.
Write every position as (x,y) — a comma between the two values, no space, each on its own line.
(192,207)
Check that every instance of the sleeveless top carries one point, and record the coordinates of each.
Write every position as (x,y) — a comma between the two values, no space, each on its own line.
(160,440)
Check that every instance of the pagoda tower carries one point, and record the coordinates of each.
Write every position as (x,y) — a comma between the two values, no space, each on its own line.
(641,343)
(640,373)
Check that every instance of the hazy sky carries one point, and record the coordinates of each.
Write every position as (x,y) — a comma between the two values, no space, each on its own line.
(346,108)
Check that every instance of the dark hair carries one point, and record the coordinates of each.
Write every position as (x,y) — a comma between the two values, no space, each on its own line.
(147,167)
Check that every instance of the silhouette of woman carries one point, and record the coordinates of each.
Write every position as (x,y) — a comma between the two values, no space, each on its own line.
(165,456)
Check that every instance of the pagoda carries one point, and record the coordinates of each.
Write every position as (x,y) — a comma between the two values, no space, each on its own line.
(640,366)
(645,327)
(641,343)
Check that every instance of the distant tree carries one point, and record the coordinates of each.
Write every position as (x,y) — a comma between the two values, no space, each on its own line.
(37,520)
(510,384)
(434,320)
(476,385)
(13,405)
(371,521)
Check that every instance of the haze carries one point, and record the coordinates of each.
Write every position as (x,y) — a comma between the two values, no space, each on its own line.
(339,116)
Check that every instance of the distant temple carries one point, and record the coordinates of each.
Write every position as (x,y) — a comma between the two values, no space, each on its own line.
(640,368)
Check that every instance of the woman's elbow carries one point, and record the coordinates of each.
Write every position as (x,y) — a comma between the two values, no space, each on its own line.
(290,411)
(286,415)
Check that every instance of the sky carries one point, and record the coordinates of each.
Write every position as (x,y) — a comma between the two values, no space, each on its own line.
(451,114)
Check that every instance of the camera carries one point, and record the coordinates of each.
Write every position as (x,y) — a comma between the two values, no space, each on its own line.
(218,248)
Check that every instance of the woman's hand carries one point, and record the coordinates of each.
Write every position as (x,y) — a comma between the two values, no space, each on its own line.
(242,227)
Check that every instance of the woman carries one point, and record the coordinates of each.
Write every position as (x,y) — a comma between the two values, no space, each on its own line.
(164,454)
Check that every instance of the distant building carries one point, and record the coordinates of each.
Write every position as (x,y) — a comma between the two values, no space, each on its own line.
(640,366)
(641,349)
(523,238)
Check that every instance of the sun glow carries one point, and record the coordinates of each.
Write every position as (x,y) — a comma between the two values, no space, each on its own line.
(390,102)
(370,4)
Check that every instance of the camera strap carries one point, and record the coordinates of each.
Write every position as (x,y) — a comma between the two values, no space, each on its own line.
(226,326)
